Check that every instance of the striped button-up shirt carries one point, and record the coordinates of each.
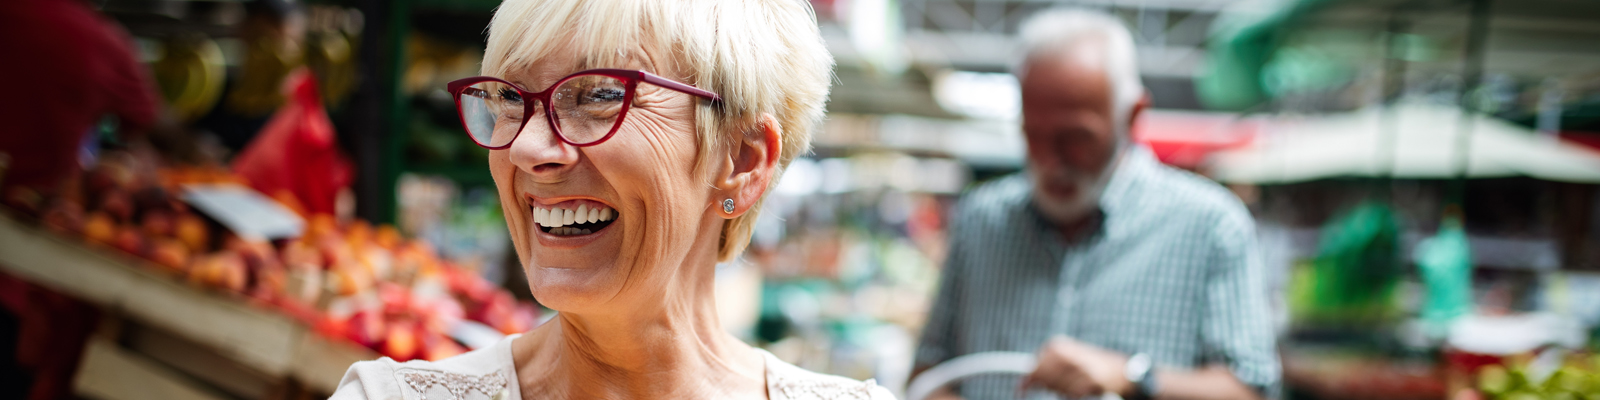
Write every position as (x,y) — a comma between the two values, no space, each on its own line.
(1171,271)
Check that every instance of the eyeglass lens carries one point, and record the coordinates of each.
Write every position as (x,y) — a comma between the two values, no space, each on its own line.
(586,108)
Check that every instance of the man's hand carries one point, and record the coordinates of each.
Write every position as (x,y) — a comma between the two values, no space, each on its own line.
(1076,370)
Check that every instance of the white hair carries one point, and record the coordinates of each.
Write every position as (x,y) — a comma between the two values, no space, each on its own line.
(761,56)
(1054,29)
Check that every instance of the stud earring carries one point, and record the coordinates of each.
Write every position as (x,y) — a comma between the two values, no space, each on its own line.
(727,206)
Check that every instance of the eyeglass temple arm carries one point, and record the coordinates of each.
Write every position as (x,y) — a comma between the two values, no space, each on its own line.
(674,85)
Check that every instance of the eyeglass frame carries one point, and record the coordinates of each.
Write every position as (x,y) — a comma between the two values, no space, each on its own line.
(631,78)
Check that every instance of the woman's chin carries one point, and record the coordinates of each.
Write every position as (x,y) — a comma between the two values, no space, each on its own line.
(574,288)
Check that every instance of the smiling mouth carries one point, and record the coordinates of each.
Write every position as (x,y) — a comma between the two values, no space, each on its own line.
(583,220)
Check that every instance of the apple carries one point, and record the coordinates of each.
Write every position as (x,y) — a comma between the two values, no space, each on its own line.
(118,205)
(234,274)
(169,253)
(438,347)
(298,254)
(129,240)
(223,270)
(157,223)
(367,328)
(350,279)
(64,218)
(271,282)
(396,299)
(377,260)
(439,313)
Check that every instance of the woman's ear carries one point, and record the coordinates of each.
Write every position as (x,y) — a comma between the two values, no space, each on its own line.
(750,165)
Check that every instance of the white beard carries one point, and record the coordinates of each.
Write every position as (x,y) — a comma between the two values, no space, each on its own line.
(1087,199)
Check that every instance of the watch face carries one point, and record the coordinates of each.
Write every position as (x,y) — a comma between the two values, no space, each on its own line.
(1138,367)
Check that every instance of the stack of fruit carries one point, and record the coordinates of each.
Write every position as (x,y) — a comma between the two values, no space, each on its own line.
(1577,379)
(348,280)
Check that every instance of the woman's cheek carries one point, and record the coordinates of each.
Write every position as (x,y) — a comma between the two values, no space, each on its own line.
(504,175)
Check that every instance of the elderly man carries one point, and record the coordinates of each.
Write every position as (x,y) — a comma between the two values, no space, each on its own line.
(1124,276)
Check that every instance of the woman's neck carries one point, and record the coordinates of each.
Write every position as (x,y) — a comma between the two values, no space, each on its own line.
(674,348)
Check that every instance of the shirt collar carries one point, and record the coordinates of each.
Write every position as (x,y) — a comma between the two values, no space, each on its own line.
(1136,162)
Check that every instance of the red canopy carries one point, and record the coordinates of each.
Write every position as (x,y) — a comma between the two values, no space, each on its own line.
(1184,138)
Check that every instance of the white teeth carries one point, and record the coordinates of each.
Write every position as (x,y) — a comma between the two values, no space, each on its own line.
(560,217)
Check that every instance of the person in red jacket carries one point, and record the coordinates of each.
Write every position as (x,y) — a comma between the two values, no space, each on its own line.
(67,68)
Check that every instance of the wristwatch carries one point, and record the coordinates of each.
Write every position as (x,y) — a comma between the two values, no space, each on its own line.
(1141,372)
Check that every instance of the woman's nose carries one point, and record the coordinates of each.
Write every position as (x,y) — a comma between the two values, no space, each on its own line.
(539,152)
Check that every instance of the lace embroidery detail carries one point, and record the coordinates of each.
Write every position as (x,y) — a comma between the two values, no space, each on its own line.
(491,385)
(825,390)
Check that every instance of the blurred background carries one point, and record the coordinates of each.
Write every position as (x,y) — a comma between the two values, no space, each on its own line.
(1422,173)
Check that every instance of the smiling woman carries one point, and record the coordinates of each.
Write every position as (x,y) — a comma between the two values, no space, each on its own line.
(632,143)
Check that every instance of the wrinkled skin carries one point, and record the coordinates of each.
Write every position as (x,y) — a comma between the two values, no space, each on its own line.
(636,315)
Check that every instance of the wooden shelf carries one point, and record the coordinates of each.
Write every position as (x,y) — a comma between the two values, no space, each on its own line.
(260,339)
(111,373)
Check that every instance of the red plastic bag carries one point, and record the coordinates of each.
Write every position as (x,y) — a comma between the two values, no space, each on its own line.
(297,152)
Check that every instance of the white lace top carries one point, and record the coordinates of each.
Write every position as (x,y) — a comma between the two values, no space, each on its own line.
(489,374)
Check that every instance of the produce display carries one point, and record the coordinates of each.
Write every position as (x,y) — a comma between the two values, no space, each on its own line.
(351,280)
(1578,378)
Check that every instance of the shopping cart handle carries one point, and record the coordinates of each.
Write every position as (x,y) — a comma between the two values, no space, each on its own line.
(955,369)
(963,367)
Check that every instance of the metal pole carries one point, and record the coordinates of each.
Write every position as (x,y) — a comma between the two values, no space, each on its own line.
(1394,78)
(375,107)
(1471,86)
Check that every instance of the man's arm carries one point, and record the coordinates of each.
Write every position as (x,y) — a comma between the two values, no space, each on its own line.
(1237,330)
(1211,382)
(1078,370)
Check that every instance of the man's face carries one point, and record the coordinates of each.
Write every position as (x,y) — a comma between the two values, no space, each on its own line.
(1070,128)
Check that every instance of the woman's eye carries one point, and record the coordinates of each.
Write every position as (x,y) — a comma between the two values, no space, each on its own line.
(602,94)
(511,95)
(507,104)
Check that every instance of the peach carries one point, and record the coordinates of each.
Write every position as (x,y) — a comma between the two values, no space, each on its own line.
(401,341)
(192,231)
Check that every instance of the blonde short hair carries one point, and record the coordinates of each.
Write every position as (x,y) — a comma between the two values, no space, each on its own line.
(762,56)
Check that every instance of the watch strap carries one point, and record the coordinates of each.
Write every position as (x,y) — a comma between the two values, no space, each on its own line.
(1141,373)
